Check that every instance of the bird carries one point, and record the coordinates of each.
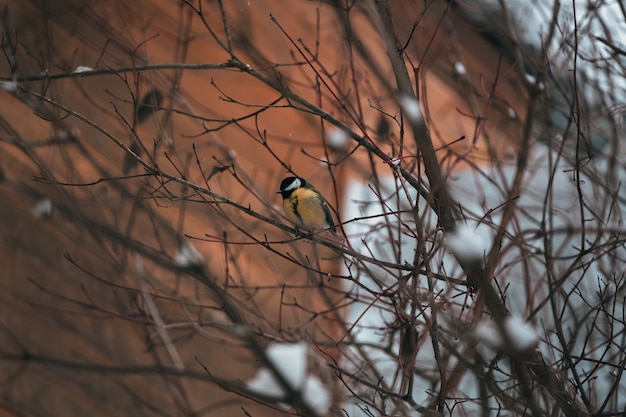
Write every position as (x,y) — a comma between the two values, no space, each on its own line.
(305,206)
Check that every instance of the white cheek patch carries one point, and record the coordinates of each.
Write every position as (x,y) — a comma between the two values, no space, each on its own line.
(296,183)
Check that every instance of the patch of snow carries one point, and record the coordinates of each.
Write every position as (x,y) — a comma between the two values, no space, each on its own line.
(10,86)
(521,334)
(264,383)
(290,361)
(512,113)
(81,69)
(316,395)
(459,69)
(487,333)
(466,243)
(42,208)
(411,108)
(337,139)
(188,256)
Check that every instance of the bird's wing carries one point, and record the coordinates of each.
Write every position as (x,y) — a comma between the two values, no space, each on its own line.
(329,217)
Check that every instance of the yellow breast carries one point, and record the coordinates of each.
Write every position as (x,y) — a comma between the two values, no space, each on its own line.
(305,207)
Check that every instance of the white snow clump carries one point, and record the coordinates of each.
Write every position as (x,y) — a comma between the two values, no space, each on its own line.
(81,68)
(466,243)
(411,108)
(290,361)
(337,139)
(42,208)
(521,334)
(188,256)
(459,68)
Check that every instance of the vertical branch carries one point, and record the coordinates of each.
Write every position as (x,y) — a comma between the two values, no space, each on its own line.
(439,192)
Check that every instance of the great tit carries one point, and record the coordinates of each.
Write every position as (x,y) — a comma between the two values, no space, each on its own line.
(304,205)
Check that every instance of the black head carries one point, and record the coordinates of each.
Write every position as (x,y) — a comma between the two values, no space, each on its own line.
(289,184)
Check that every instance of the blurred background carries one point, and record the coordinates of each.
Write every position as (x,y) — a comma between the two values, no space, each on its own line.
(146,261)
